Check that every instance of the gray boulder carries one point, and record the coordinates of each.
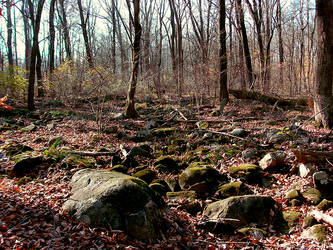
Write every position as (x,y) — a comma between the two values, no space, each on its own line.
(272,160)
(241,211)
(104,198)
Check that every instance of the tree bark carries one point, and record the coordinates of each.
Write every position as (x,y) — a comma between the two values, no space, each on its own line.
(323,99)
(245,43)
(34,51)
(223,64)
(130,111)
(10,39)
(85,34)
(63,20)
(52,36)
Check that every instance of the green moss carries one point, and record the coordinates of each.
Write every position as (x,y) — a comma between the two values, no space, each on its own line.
(230,189)
(292,194)
(119,168)
(181,195)
(75,160)
(313,195)
(254,232)
(146,175)
(308,221)
(23,180)
(291,217)
(325,205)
(317,232)
(159,132)
(159,188)
(243,167)
(15,148)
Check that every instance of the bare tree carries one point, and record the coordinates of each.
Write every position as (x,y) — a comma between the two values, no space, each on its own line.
(223,61)
(34,51)
(323,99)
(10,38)
(85,33)
(130,111)
(52,35)
(65,28)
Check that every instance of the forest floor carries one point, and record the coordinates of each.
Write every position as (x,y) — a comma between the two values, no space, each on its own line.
(31,216)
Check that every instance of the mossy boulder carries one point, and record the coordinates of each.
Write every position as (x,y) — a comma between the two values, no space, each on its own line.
(76,160)
(162,132)
(232,189)
(119,168)
(173,183)
(309,221)
(313,195)
(202,179)
(160,186)
(316,232)
(14,148)
(28,128)
(169,164)
(195,155)
(243,210)
(146,175)
(291,217)
(292,194)
(325,205)
(180,195)
(26,164)
(253,232)
(104,198)
(250,173)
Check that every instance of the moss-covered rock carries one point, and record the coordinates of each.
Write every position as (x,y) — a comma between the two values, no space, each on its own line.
(292,194)
(244,210)
(195,155)
(75,160)
(146,175)
(169,164)
(291,217)
(180,195)
(316,232)
(313,195)
(173,184)
(202,179)
(309,221)
(162,132)
(325,205)
(104,198)
(254,232)
(248,172)
(14,148)
(119,168)
(26,164)
(28,128)
(159,188)
(232,189)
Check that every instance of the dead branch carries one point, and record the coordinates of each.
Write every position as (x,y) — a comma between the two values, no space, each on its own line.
(306,156)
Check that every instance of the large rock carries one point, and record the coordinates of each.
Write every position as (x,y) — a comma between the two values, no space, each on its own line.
(103,198)
(316,232)
(244,210)
(203,180)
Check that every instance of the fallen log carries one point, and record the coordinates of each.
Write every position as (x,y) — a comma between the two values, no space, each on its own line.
(307,156)
(272,100)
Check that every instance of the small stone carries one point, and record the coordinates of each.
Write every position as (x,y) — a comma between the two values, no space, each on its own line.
(239,132)
(308,221)
(272,160)
(325,205)
(50,126)
(29,128)
(249,154)
(316,232)
(292,194)
(306,169)
(313,195)
(320,179)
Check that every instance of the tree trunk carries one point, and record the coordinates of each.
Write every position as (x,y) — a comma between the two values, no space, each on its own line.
(34,51)
(27,34)
(130,111)
(63,20)
(85,34)
(245,43)
(9,39)
(52,36)
(323,99)
(224,95)
(40,90)
(281,52)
